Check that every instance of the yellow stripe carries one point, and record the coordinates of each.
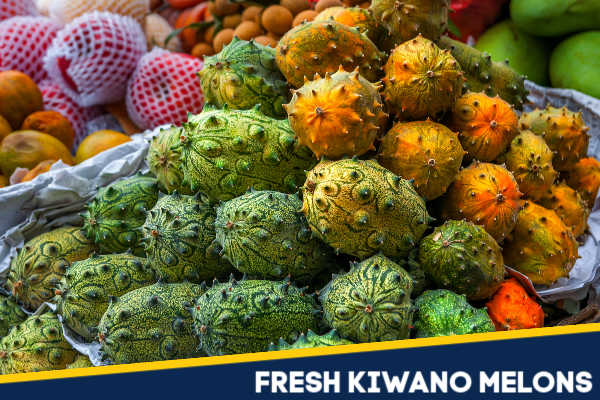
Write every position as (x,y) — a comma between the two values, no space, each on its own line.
(282,355)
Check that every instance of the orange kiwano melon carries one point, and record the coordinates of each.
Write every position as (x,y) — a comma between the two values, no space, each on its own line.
(19,97)
(5,128)
(53,123)
(98,142)
(26,149)
(585,178)
(512,308)
(39,169)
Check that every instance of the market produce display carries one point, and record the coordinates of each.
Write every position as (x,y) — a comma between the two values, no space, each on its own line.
(320,174)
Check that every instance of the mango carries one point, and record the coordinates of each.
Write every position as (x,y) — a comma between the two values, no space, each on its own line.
(525,53)
(26,149)
(98,142)
(575,63)
(53,123)
(39,169)
(3,181)
(555,17)
(5,128)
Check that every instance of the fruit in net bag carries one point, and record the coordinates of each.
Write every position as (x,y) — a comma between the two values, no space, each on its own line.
(13,8)
(67,10)
(164,88)
(93,56)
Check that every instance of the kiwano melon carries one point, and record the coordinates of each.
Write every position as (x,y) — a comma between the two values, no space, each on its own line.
(152,323)
(244,317)
(80,362)
(84,292)
(512,308)
(165,162)
(310,340)
(113,219)
(371,302)
(39,266)
(354,17)
(10,314)
(585,178)
(445,313)
(264,234)
(569,206)
(37,344)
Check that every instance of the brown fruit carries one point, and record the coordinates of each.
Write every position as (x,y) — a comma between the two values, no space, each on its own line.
(277,19)
(231,21)
(3,181)
(266,41)
(5,128)
(26,149)
(98,142)
(209,34)
(295,6)
(304,16)
(225,7)
(252,13)
(119,111)
(53,123)
(202,49)
(19,97)
(222,39)
(247,30)
(325,4)
(39,169)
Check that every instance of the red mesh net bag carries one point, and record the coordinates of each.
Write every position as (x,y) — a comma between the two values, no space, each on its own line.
(94,55)
(24,42)
(67,10)
(55,99)
(13,8)
(164,88)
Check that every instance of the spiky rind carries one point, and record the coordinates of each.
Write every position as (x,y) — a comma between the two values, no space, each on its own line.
(264,234)
(426,152)
(179,235)
(463,257)
(541,246)
(152,323)
(39,266)
(113,219)
(37,344)
(445,313)
(485,75)
(421,80)
(11,314)
(354,17)
(84,292)
(164,160)
(80,362)
(318,47)
(243,75)
(310,340)
(487,195)
(485,125)
(371,302)
(564,131)
(244,317)
(530,160)
(569,206)
(226,152)
(338,115)
(585,178)
(512,308)
(360,208)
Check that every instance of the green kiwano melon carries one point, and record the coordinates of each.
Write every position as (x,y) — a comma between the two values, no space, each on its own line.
(84,292)
(80,362)
(371,302)
(113,219)
(37,344)
(360,208)
(10,314)
(152,323)
(464,258)
(226,152)
(264,234)
(244,317)
(445,313)
(243,75)
(42,262)
(310,341)
(179,233)
(164,161)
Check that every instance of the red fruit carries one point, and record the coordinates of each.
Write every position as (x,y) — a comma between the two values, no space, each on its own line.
(164,88)
(512,308)
(471,17)
(14,8)
(94,55)
(35,34)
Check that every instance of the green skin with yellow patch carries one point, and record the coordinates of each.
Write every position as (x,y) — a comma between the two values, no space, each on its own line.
(150,324)
(42,262)
(10,314)
(371,303)
(84,292)
(445,313)
(244,317)
(114,217)
(164,162)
